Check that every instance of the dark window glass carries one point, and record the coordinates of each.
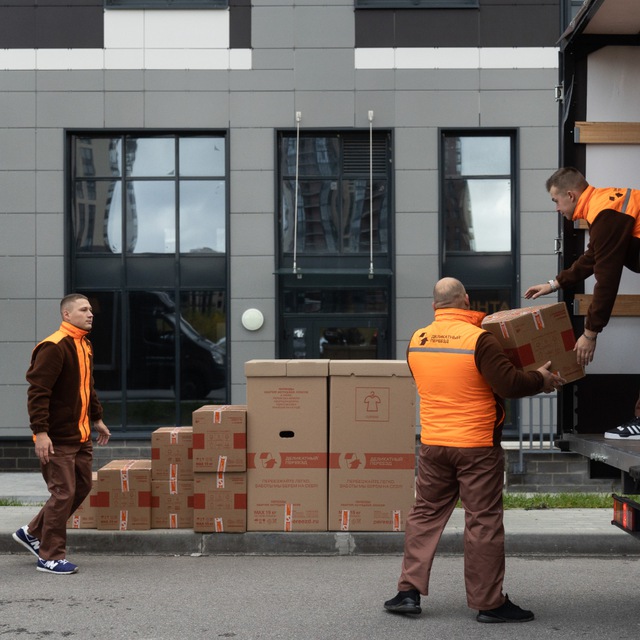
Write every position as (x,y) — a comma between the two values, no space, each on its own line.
(172,190)
(477,196)
(335,212)
(332,300)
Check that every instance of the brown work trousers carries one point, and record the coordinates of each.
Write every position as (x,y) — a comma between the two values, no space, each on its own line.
(476,475)
(68,478)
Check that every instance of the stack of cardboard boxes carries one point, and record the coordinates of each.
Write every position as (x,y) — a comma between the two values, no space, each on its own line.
(172,478)
(220,469)
(321,445)
(331,445)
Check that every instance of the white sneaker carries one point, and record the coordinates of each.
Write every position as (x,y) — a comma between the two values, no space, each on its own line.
(627,431)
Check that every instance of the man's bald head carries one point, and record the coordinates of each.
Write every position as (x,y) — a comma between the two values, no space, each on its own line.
(451,293)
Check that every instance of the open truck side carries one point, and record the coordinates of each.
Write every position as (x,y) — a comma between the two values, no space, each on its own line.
(599,128)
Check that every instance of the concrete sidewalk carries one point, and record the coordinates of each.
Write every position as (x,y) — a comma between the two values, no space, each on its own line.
(546,532)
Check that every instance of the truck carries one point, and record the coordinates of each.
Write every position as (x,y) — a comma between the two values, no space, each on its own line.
(599,134)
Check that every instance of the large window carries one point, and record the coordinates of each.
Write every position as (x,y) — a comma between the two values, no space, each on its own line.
(334,244)
(340,212)
(147,238)
(478,214)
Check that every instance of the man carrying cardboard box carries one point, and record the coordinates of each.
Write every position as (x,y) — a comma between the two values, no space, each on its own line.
(613,216)
(461,375)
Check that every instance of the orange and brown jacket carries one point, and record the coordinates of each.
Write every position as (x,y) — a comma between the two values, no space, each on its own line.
(462,374)
(61,399)
(613,216)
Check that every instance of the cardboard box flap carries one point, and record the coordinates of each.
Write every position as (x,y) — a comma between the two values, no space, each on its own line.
(371,368)
(308,368)
(284,368)
(265,368)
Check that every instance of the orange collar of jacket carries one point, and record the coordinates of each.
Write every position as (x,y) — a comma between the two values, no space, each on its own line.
(71,330)
(465,315)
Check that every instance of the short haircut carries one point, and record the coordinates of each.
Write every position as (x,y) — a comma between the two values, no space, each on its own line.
(69,298)
(567,179)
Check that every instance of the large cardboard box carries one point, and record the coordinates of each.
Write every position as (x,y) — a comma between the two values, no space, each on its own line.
(220,502)
(172,504)
(172,453)
(124,495)
(287,445)
(372,445)
(220,438)
(85,516)
(532,336)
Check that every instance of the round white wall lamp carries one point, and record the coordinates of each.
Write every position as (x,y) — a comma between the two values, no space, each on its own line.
(252,319)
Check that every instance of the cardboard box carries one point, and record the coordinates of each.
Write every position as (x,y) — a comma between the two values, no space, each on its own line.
(85,516)
(372,445)
(287,425)
(172,453)
(172,504)
(124,495)
(220,438)
(220,502)
(532,336)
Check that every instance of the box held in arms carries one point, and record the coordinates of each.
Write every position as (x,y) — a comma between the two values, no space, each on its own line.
(220,502)
(172,504)
(124,495)
(531,336)
(287,425)
(172,453)
(85,516)
(220,438)
(372,440)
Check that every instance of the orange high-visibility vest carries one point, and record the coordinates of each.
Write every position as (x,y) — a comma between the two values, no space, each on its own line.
(592,201)
(457,406)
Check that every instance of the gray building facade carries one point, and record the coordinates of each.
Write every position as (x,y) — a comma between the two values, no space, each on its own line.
(262,178)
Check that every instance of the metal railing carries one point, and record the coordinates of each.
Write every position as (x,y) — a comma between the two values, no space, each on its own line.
(537,425)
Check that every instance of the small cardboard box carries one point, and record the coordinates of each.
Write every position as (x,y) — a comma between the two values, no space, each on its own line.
(172,453)
(532,336)
(372,442)
(220,438)
(220,502)
(172,504)
(124,495)
(85,516)
(287,425)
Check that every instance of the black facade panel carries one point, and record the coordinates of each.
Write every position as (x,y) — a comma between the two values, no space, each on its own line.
(445,28)
(17,27)
(497,23)
(375,28)
(525,25)
(240,24)
(70,27)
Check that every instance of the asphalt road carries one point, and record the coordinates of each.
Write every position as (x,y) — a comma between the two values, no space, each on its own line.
(310,598)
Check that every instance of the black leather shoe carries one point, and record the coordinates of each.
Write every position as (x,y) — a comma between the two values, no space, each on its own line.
(507,612)
(404,602)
